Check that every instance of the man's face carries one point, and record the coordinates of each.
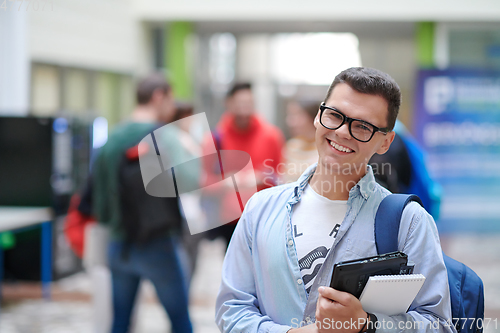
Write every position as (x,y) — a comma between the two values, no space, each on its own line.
(354,155)
(241,105)
(298,120)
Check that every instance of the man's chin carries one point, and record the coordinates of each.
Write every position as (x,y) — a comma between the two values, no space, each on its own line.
(330,167)
(242,122)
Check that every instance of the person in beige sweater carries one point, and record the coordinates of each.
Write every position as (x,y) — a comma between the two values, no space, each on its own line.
(300,151)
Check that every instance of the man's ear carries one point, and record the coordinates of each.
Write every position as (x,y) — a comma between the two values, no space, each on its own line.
(316,120)
(387,143)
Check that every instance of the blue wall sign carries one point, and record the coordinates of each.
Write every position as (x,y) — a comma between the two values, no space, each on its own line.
(457,121)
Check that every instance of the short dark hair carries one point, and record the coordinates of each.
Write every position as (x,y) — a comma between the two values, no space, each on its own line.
(148,85)
(238,87)
(373,82)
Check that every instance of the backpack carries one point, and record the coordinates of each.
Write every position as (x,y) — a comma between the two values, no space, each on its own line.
(75,224)
(466,288)
(421,182)
(393,170)
(402,169)
(143,217)
(78,218)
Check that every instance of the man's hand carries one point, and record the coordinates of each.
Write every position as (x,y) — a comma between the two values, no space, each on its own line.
(338,311)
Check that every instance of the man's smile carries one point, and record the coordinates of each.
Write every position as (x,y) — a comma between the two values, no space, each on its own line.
(340,148)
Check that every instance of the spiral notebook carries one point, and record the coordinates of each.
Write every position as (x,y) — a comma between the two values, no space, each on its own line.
(390,294)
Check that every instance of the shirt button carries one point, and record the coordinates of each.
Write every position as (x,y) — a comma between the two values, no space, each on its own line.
(308,319)
(290,242)
(299,281)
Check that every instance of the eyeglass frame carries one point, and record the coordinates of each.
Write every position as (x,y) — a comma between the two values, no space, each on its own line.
(349,121)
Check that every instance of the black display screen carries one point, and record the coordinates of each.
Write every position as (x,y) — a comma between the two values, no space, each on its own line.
(25,161)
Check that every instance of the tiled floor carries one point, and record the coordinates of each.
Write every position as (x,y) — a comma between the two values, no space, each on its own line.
(75,314)
(72,311)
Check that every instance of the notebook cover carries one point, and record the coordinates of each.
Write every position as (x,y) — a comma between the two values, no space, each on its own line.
(390,294)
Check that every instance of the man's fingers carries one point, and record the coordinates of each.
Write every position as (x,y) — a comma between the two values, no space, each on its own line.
(335,295)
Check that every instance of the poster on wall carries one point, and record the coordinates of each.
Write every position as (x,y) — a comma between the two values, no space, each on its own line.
(457,121)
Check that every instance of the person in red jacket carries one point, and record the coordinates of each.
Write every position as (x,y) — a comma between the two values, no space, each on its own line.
(240,128)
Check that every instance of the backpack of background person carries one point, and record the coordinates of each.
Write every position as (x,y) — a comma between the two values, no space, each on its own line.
(466,288)
(78,218)
(143,216)
(75,224)
(403,169)
(393,170)
(421,182)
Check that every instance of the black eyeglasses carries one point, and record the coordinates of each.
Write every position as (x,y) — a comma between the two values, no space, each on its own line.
(360,130)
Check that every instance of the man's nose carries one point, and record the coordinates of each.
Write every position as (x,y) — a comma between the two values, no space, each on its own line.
(343,131)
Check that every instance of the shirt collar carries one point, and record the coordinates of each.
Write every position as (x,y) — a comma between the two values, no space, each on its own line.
(365,186)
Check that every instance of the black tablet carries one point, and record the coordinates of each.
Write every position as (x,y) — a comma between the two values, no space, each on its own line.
(351,276)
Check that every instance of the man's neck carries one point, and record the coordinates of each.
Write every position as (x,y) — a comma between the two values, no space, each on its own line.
(241,126)
(144,114)
(335,184)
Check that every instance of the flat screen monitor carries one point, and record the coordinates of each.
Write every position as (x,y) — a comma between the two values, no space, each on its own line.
(26,161)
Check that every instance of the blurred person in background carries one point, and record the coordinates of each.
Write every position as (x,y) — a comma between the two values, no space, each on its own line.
(183,144)
(158,260)
(392,170)
(240,128)
(403,169)
(300,151)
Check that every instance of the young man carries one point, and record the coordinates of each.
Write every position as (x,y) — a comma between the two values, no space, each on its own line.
(240,128)
(158,259)
(278,266)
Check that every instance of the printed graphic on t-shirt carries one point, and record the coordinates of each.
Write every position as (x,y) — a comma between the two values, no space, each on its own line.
(316,222)
(311,263)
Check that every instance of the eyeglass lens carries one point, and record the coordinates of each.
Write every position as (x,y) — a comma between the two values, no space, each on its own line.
(359,129)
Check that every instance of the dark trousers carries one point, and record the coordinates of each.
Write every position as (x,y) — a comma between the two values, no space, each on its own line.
(159,262)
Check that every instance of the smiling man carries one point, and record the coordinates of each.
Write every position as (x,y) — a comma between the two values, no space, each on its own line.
(279,263)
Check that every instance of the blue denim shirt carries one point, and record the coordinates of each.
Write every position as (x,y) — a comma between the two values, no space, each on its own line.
(262,288)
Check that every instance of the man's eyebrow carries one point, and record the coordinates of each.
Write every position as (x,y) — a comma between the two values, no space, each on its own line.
(335,108)
(366,121)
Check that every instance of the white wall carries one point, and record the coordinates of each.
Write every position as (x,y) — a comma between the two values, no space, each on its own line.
(397,57)
(96,34)
(392,10)
(253,65)
(14,63)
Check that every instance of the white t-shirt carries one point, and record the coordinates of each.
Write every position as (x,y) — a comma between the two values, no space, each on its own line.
(316,221)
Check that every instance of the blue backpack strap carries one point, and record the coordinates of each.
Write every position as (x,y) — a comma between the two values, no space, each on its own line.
(387,221)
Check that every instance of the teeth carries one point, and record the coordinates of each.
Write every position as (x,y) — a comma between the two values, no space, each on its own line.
(340,148)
